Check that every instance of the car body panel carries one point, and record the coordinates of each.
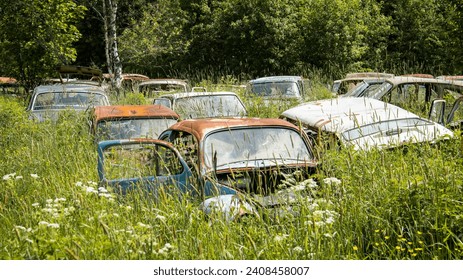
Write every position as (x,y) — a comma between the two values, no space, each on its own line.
(140,164)
(365,123)
(144,120)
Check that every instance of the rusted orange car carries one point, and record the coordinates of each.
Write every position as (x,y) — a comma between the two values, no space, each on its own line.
(131,121)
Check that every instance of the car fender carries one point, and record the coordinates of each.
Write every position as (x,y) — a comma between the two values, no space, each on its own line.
(230,206)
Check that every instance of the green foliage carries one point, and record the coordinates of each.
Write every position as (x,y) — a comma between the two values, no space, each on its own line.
(397,204)
(36,36)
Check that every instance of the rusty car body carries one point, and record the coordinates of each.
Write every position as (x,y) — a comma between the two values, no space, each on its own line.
(363,124)
(248,156)
(190,105)
(131,121)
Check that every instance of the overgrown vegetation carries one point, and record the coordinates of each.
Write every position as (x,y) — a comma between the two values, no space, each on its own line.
(398,204)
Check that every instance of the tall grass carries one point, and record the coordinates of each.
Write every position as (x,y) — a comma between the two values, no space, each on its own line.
(399,204)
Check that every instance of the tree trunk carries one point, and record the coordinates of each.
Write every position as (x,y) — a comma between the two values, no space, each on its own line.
(112,53)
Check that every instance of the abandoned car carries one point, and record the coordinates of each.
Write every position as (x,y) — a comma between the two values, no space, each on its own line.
(363,123)
(193,105)
(279,87)
(131,121)
(48,101)
(219,160)
(156,87)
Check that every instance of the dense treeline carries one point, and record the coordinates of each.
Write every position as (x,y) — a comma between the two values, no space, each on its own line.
(248,38)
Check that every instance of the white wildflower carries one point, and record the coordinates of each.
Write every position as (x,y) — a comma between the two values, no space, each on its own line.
(18,177)
(162,218)
(61,199)
(91,183)
(279,238)
(332,181)
(102,190)
(53,225)
(36,204)
(105,195)
(140,224)
(8,176)
(298,249)
(43,223)
(49,200)
(29,240)
(91,190)
(311,183)
(79,184)
(34,176)
(329,220)
(21,228)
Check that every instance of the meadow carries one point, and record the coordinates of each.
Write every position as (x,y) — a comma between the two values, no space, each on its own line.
(396,204)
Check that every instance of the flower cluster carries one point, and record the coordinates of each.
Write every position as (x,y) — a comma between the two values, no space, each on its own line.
(13,175)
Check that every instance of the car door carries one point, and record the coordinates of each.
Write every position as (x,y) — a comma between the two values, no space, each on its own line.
(149,165)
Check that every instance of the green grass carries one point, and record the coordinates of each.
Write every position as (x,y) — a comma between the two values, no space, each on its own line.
(398,204)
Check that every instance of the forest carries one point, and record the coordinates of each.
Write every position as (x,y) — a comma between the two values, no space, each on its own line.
(245,39)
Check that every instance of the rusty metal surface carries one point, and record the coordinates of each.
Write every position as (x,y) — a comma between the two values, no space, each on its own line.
(7,80)
(133,111)
(200,127)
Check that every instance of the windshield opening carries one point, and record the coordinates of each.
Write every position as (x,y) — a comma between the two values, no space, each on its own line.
(209,106)
(242,146)
(132,128)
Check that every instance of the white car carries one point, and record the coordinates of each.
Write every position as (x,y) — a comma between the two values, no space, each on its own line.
(194,105)
(48,101)
(363,123)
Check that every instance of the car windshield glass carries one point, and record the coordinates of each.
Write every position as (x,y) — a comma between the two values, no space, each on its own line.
(162,88)
(132,128)
(386,127)
(357,90)
(379,92)
(56,100)
(251,144)
(209,106)
(280,89)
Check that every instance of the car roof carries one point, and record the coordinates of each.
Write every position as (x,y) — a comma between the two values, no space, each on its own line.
(340,114)
(200,127)
(196,93)
(164,81)
(410,79)
(133,111)
(369,75)
(77,87)
(273,79)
